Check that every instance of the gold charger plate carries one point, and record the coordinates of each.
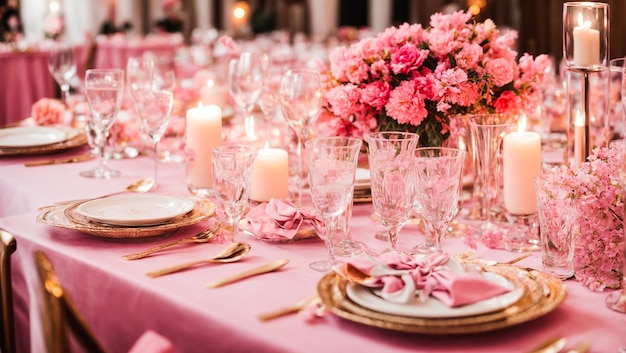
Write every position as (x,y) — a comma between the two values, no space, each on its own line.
(543,293)
(66,216)
(74,138)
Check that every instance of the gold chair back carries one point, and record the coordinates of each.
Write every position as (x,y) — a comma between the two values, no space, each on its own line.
(58,314)
(7,325)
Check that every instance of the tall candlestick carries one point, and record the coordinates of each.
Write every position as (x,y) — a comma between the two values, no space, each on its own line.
(270,176)
(586,44)
(203,132)
(521,161)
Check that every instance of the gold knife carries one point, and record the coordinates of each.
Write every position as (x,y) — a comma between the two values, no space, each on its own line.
(76,159)
(552,345)
(269,267)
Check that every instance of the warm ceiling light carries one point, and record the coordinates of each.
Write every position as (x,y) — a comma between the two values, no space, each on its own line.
(474,10)
(240,10)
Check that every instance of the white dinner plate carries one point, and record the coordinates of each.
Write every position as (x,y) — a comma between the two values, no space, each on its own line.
(433,308)
(30,136)
(362,179)
(136,210)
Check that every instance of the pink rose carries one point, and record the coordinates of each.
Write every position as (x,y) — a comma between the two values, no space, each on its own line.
(407,58)
(47,111)
(500,70)
(376,94)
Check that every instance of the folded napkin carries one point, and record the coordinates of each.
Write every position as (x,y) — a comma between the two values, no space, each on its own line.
(280,219)
(152,342)
(402,277)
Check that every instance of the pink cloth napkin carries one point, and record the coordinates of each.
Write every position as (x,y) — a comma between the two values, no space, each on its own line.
(402,277)
(152,342)
(280,219)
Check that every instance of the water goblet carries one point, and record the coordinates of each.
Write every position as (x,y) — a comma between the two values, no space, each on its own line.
(245,79)
(104,90)
(62,66)
(333,162)
(438,171)
(268,101)
(488,131)
(300,102)
(232,165)
(140,75)
(392,171)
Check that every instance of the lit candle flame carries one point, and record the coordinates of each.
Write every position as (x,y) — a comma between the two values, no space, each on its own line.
(582,23)
(579,121)
(522,122)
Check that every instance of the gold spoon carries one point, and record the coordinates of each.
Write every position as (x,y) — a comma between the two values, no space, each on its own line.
(233,252)
(141,185)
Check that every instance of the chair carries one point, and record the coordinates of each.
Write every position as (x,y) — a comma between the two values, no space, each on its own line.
(58,313)
(8,247)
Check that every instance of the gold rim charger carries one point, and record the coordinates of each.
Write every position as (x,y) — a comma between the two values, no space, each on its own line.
(66,216)
(542,294)
(73,138)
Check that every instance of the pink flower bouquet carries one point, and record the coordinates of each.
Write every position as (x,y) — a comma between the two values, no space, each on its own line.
(599,243)
(415,79)
(48,111)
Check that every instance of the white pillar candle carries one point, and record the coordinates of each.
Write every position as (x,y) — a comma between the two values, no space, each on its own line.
(521,162)
(203,132)
(586,44)
(213,94)
(270,175)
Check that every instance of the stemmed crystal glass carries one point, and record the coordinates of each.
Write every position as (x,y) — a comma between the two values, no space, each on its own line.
(300,101)
(391,159)
(617,300)
(153,101)
(488,131)
(245,79)
(269,101)
(232,165)
(104,89)
(333,162)
(62,66)
(438,172)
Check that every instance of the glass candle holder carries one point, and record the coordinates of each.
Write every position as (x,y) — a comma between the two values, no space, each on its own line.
(586,35)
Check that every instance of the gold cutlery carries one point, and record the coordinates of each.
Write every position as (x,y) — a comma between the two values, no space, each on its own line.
(581,347)
(75,159)
(552,345)
(203,237)
(269,267)
(141,185)
(289,309)
(233,252)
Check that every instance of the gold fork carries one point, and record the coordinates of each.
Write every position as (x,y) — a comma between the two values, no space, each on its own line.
(202,237)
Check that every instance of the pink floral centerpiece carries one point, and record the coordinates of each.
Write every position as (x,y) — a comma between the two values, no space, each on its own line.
(599,243)
(53,25)
(415,79)
(49,111)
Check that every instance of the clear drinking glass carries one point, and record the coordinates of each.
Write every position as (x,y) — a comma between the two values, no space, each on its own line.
(438,171)
(333,162)
(140,73)
(245,79)
(391,159)
(62,66)
(269,100)
(300,101)
(104,89)
(232,166)
(488,131)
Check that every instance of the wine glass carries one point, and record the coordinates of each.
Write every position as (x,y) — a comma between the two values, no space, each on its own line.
(438,171)
(300,101)
(62,66)
(104,90)
(245,79)
(269,101)
(392,170)
(232,165)
(154,108)
(333,163)
(140,75)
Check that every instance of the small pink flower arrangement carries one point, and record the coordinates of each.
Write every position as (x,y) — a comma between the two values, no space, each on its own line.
(599,242)
(48,111)
(415,79)
(53,25)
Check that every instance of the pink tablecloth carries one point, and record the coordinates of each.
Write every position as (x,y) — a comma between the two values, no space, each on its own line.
(120,303)
(115,55)
(25,79)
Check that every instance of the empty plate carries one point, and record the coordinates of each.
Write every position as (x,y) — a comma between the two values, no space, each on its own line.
(29,136)
(136,210)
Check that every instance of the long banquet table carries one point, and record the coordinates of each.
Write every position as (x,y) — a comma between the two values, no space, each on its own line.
(120,302)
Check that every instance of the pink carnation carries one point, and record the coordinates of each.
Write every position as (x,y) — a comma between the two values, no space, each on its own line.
(407,58)
(500,70)
(47,111)
(343,99)
(376,94)
(406,104)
